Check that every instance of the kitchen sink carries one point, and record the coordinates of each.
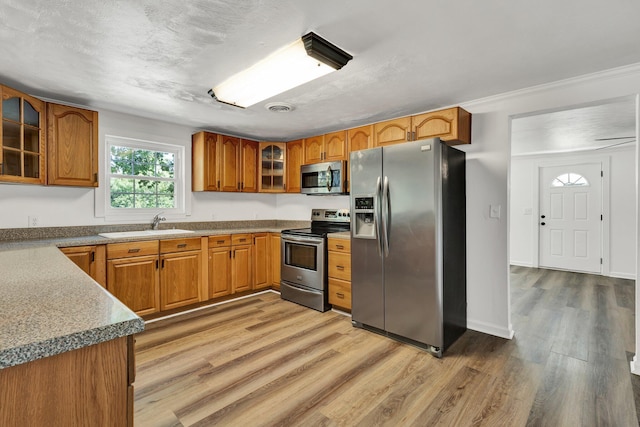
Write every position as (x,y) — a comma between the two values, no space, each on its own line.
(143,233)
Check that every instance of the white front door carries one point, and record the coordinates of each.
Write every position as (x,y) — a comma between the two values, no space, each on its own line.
(571,217)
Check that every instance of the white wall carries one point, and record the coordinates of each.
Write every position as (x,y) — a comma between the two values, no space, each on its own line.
(622,196)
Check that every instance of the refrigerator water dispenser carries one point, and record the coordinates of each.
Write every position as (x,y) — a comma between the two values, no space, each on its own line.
(364,226)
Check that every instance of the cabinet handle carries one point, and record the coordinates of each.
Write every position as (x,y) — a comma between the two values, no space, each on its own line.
(284,187)
(242,240)
(182,245)
(93,256)
(134,250)
(219,242)
(162,263)
(156,264)
(218,183)
(340,295)
(339,247)
(238,186)
(340,267)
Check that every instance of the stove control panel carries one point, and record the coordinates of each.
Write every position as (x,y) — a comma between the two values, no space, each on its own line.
(331,215)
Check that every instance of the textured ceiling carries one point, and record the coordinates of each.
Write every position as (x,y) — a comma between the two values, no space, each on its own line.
(158,58)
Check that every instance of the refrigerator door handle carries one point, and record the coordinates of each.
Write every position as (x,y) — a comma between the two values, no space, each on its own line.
(385,216)
(378,219)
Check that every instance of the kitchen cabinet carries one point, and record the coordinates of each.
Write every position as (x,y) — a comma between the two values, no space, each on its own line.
(241,263)
(223,163)
(90,386)
(272,167)
(180,272)
(72,146)
(360,138)
(133,275)
(22,138)
(295,159)
(91,259)
(261,261)
(339,272)
(219,266)
(326,148)
(276,259)
(249,156)
(392,131)
(452,125)
(204,162)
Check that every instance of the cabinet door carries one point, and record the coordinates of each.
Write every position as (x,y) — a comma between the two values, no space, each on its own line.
(276,256)
(295,157)
(219,272)
(272,167)
(313,149)
(335,146)
(136,282)
(392,131)
(22,137)
(72,146)
(452,125)
(360,138)
(229,163)
(91,259)
(180,279)
(249,166)
(204,161)
(340,293)
(261,260)
(241,266)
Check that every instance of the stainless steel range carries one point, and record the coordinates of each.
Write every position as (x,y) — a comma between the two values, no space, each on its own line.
(304,258)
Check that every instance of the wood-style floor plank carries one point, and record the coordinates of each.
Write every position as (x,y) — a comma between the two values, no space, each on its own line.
(262,361)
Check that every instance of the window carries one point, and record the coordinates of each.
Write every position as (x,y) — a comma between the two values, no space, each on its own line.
(569,180)
(144,177)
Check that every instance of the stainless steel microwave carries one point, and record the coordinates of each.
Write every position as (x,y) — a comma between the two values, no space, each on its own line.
(324,178)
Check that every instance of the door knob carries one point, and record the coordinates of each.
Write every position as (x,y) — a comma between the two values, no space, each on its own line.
(542,223)
(542,216)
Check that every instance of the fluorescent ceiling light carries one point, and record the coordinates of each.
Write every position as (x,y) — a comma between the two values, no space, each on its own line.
(300,62)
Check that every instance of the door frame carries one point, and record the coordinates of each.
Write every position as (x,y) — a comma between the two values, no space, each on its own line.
(605,161)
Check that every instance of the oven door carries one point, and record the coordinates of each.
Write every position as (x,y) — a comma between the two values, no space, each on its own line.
(303,260)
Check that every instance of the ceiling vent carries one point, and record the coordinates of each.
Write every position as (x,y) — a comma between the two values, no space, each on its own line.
(279,107)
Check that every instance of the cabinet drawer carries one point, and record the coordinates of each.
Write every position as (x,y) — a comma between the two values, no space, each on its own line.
(339,245)
(219,241)
(241,239)
(340,265)
(180,245)
(130,249)
(340,293)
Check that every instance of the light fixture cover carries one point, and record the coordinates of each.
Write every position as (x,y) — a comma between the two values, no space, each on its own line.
(302,61)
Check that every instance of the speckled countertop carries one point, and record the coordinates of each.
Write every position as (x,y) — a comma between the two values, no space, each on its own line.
(49,306)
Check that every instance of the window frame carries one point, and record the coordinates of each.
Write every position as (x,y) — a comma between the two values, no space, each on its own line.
(179,179)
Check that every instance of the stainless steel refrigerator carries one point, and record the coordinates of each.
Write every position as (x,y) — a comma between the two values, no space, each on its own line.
(408,244)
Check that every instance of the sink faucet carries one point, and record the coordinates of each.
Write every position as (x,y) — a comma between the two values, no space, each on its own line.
(156,221)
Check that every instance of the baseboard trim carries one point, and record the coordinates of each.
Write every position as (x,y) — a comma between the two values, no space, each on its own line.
(521,264)
(491,329)
(635,368)
(619,275)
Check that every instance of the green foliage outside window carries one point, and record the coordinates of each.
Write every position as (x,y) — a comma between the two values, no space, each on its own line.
(142,178)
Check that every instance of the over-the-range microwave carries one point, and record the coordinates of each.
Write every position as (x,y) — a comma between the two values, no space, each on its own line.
(324,178)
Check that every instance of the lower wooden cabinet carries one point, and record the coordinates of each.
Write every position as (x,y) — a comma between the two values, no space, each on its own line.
(261,261)
(339,251)
(180,272)
(241,263)
(136,282)
(91,259)
(219,271)
(276,259)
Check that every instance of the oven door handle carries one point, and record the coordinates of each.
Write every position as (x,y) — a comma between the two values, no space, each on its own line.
(310,240)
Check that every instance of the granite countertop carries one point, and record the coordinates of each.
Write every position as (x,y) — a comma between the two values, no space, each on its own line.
(50,306)
(340,235)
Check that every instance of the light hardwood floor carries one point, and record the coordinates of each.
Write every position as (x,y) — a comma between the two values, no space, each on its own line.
(264,361)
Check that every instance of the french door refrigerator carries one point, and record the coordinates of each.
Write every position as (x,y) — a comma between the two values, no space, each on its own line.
(408,248)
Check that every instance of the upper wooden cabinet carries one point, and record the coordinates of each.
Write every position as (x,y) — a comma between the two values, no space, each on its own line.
(272,167)
(452,125)
(223,163)
(295,159)
(360,138)
(325,148)
(204,162)
(72,146)
(392,131)
(22,137)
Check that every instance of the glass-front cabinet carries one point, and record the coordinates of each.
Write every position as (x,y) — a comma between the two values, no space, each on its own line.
(22,157)
(272,167)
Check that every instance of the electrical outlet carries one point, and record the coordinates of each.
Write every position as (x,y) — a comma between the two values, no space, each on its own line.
(33,221)
(494,211)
